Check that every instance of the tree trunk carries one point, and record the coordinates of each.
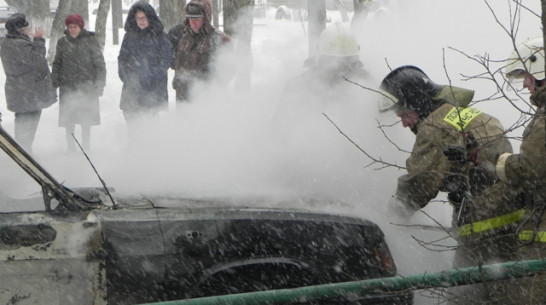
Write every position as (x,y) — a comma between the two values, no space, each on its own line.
(361,10)
(238,20)
(317,22)
(543,19)
(100,22)
(342,10)
(215,10)
(117,20)
(80,7)
(20,5)
(57,27)
(170,12)
(39,13)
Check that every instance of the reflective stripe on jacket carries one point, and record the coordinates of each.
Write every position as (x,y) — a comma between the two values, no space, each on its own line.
(491,223)
(527,235)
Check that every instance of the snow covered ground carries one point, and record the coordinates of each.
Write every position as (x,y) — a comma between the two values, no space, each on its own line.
(220,144)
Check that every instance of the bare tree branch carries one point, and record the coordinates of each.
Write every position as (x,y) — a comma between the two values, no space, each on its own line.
(380,126)
(374,160)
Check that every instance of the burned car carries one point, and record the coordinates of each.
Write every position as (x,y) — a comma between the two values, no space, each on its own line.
(91,246)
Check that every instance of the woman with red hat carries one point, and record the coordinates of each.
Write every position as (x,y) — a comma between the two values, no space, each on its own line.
(80,74)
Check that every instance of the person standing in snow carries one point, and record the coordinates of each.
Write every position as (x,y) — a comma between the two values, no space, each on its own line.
(28,86)
(196,47)
(80,73)
(528,168)
(455,151)
(143,62)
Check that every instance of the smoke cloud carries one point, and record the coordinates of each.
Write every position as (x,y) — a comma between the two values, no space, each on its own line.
(226,142)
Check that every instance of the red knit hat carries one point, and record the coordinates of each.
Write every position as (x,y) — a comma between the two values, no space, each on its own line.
(74,19)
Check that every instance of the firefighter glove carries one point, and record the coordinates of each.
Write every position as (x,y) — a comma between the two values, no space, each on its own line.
(456,153)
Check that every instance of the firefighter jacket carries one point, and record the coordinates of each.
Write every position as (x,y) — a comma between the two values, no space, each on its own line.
(528,170)
(429,170)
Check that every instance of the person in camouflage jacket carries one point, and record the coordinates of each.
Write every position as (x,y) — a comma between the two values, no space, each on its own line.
(196,45)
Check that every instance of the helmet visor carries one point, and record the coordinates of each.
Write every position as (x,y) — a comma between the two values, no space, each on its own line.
(387,101)
(515,75)
(514,79)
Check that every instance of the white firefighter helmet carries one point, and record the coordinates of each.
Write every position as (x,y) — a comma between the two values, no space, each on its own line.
(528,56)
(337,40)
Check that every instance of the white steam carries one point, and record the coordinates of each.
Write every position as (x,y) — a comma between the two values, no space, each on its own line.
(224,142)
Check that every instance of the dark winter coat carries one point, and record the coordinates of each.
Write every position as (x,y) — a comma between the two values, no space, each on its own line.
(194,53)
(80,73)
(28,79)
(79,63)
(143,62)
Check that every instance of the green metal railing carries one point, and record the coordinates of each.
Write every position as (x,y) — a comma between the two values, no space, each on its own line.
(448,278)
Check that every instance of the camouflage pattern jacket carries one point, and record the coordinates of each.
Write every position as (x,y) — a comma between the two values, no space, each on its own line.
(195,54)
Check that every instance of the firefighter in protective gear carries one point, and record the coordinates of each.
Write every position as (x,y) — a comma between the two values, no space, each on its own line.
(337,53)
(324,82)
(299,124)
(338,41)
(528,168)
(455,151)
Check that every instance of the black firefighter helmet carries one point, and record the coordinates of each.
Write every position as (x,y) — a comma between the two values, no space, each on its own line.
(409,87)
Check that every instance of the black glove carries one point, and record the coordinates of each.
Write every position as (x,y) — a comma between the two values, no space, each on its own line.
(456,153)
(539,95)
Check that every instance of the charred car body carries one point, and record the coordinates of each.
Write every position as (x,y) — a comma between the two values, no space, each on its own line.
(96,248)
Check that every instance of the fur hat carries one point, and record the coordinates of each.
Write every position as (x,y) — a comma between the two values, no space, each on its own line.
(16,22)
(74,19)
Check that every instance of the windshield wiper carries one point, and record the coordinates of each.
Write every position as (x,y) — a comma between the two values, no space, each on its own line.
(51,189)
